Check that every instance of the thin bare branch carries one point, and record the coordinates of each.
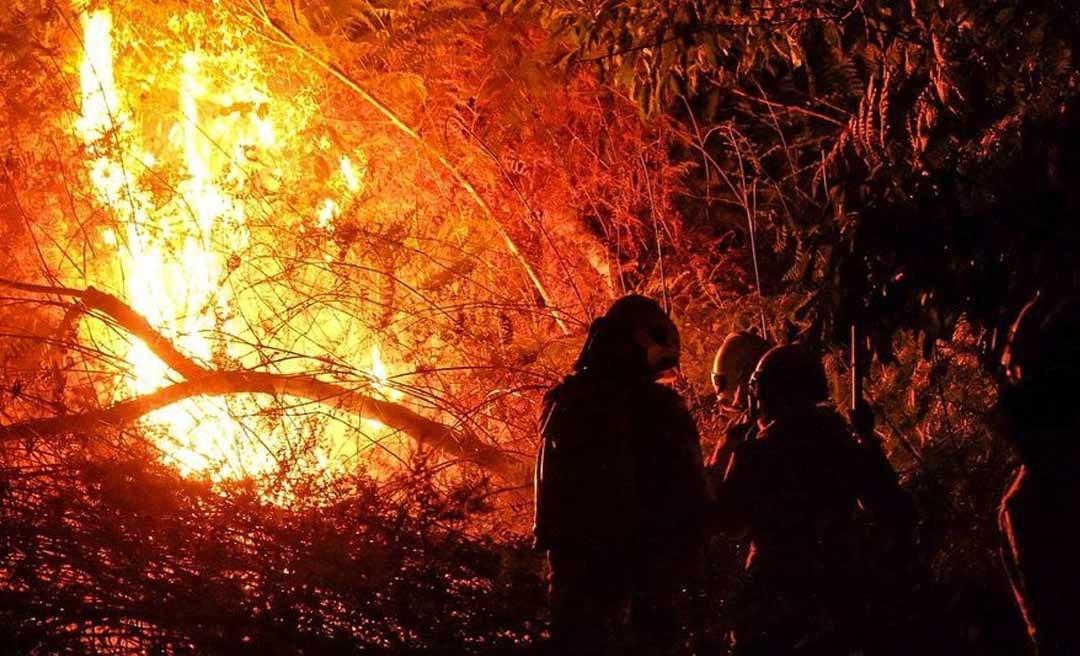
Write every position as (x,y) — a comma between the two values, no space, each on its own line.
(456,173)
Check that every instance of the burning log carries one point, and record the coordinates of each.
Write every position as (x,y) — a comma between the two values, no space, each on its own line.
(200,381)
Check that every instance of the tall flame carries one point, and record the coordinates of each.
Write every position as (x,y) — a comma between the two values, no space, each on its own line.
(176,257)
(171,260)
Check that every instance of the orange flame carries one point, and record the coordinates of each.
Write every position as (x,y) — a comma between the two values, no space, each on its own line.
(174,256)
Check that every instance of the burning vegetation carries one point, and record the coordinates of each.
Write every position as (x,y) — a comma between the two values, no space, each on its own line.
(286,273)
(284,283)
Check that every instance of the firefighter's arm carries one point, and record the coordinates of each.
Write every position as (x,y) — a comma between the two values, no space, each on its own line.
(1011,552)
(693,462)
(1033,565)
(538,499)
(734,493)
(542,484)
(879,486)
(880,490)
(720,461)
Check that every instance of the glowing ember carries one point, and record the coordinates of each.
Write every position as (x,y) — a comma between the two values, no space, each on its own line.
(382,375)
(327,213)
(352,182)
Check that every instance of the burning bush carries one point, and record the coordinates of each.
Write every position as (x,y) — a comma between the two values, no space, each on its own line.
(282,285)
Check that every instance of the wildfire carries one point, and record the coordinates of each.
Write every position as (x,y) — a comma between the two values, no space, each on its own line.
(176,258)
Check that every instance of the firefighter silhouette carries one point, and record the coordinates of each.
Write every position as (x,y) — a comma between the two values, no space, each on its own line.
(620,490)
(795,489)
(1039,515)
(735,361)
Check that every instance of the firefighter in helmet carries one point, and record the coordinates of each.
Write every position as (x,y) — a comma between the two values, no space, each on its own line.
(1039,515)
(734,363)
(794,490)
(620,490)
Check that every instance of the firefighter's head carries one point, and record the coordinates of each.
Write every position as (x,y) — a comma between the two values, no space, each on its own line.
(1042,367)
(1044,343)
(788,379)
(732,366)
(635,337)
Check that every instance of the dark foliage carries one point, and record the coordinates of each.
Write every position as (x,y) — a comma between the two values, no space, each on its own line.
(912,166)
(914,163)
(124,556)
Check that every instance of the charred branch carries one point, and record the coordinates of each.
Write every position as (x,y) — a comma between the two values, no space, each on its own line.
(200,381)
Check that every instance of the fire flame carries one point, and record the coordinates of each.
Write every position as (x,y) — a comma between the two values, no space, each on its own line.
(175,258)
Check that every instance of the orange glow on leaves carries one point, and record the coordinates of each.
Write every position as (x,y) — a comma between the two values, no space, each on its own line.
(175,257)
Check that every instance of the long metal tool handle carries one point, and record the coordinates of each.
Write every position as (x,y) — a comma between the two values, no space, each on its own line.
(856,369)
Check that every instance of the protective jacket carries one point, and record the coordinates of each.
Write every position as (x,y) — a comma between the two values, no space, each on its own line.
(619,463)
(1041,550)
(795,491)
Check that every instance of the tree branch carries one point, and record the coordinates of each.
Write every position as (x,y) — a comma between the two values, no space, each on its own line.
(129,319)
(200,381)
(777,105)
(454,442)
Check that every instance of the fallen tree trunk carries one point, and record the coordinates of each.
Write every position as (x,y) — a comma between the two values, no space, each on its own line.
(200,381)
(454,442)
